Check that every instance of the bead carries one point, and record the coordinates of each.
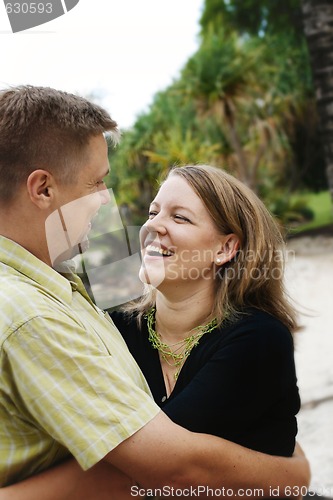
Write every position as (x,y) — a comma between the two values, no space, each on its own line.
(185,346)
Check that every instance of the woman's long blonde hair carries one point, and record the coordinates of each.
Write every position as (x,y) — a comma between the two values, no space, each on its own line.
(254,278)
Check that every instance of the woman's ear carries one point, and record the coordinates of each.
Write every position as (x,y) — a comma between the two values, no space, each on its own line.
(229,248)
(40,185)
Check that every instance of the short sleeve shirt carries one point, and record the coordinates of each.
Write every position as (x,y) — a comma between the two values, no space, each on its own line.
(68,384)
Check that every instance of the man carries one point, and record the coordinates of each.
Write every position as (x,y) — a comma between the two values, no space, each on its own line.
(68,385)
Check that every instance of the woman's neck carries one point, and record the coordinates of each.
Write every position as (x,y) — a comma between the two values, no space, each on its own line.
(176,317)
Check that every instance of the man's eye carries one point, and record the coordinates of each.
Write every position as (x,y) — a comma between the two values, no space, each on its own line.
(151,214)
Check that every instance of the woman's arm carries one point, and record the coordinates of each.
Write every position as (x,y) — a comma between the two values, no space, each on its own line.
(68,481)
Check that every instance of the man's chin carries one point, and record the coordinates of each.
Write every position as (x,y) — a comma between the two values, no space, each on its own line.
(82,247)
(72,252)
(143,276)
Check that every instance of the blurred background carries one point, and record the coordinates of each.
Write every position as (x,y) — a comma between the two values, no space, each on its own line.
(246,85)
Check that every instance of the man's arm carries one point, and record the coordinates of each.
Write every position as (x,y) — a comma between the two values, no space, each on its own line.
(68,481)
(163,453)
(214,460)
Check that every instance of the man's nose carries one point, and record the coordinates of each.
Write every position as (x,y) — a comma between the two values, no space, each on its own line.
(105,196)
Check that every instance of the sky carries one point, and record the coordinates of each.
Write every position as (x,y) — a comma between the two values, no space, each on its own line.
(122,51)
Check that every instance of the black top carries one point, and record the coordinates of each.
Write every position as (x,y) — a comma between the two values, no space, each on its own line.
(238,383)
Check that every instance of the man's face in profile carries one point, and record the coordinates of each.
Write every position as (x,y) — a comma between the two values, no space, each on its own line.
(67,228)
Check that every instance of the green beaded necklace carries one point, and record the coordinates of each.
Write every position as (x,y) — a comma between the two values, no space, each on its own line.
(185,346)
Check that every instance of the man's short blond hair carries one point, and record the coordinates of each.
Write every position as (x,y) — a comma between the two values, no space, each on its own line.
(44,128)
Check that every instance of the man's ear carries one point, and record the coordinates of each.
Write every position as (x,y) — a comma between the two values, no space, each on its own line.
(229,248)
(40,186)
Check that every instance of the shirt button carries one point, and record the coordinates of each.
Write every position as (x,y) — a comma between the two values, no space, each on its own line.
(163,399)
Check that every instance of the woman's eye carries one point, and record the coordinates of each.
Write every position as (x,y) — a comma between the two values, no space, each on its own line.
(182,218)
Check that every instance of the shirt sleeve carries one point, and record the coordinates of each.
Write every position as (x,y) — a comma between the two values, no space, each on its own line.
(73,389)
(245,392)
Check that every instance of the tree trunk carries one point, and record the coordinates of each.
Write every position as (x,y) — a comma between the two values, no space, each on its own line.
(236,144)
(318,29)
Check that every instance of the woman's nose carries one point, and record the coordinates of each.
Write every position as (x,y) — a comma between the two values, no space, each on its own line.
(151,230)
(156,224)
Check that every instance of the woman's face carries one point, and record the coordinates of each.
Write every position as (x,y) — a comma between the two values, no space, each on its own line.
(179,241)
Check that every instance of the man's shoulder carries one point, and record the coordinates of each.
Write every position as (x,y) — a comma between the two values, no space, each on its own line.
(18,286)
(15,292)
(22,300)
(19,304)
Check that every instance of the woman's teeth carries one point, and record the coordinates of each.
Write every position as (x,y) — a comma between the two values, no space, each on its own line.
(151,249)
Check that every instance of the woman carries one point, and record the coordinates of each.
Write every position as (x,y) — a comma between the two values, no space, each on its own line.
(212,330)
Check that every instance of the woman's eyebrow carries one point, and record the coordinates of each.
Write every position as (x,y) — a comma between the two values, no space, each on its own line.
(155,204)
(174,207)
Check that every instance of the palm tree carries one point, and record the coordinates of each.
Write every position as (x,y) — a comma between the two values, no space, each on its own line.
(318,22)
(131,175)
(226,78)
(181,146)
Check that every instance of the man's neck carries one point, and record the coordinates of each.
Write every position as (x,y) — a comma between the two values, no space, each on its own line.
(25,232)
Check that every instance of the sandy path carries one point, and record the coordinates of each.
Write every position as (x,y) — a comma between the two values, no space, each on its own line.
(310,282)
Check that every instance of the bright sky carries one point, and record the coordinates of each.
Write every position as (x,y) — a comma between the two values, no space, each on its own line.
(124,50)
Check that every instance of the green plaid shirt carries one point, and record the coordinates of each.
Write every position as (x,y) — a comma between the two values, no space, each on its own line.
(68,384)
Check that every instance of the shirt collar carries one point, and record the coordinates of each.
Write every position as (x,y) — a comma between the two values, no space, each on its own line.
(25,263)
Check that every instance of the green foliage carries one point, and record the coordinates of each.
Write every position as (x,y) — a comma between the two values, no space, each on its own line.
(131,175)
(240,84)
(244,101)
(168,134)
(321,206)
(288,210)
(291,60)
(255,17)
(223,66)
